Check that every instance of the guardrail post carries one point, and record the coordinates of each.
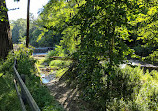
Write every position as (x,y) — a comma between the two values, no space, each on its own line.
(16,64)
(22,91)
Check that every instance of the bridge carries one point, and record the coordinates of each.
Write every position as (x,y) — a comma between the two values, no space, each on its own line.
(42,49)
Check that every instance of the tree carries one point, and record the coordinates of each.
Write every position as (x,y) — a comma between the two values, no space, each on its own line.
(5,35)
(103,28)
(18,30)
(148,31)
(54,18)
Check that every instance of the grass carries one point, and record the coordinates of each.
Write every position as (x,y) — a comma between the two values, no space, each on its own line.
(60,65)
(8,98)
(60,72)
(1,74)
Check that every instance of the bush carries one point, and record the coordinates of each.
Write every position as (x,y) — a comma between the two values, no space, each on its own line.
(59,63)
(25,62)
(152,58)
(143,51)
(8,98)
(126,89)
(25,65)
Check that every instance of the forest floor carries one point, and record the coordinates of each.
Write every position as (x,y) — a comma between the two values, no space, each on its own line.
(66,95)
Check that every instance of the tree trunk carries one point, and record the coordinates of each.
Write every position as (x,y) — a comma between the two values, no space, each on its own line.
(28,21)
(5,35)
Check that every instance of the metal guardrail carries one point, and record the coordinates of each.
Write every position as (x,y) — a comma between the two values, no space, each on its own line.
(25,92)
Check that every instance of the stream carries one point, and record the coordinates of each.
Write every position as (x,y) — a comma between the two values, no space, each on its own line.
(47,78)
(39,54)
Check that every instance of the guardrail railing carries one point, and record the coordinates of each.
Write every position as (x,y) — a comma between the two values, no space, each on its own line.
(24,92)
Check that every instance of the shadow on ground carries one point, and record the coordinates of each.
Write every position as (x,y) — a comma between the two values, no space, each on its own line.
(67,96)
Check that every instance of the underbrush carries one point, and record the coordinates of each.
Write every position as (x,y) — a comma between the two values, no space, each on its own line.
(116,89)
(128,89)
(139,90)
(148,54)
(8,98)
(60,66)
(26,66)
(152,58)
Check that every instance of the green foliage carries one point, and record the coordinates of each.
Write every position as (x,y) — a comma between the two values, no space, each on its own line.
(124,89)
(60,72)
(152,58)
(103,30)
(61,66)
(51,54)
(3,11)
(19,30)
(145,23)
(42,96)
(146,99)
(59,63)
(25,65)
(59,51)
(96,30)
(8,97)
(54,18)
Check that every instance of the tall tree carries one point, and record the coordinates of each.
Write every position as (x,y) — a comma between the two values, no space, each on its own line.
(5,35)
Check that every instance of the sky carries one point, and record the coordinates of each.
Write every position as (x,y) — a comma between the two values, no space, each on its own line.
(35,6)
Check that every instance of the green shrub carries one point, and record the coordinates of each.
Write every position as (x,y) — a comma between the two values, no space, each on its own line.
(152,58)
(50,54)
(59,63)
(25,65)
(127,89)
(147,97)
(8,98)
(140,90)
(25,62)
(143,51)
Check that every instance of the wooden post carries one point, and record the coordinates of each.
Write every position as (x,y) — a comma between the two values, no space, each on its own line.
(28,11)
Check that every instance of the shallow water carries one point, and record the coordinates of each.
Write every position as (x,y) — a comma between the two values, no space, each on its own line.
(40,53)
(47,78)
